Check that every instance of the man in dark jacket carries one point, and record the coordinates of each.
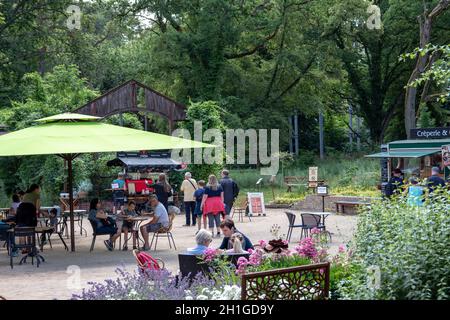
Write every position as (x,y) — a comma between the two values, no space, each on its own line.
(228,228)
(230,191)
(435,180)
(395,183)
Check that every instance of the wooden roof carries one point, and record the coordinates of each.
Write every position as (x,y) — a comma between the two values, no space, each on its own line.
(123,98)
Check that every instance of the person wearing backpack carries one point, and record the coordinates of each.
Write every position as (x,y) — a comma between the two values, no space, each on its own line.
(188,188)
(230,191)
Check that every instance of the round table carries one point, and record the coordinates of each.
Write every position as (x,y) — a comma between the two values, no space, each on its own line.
(138,222)
(78,216)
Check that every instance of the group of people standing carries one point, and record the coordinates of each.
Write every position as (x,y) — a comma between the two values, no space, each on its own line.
(210,201)
(414,191)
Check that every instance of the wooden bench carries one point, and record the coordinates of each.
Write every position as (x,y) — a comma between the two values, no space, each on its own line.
(295,181)
(342,204)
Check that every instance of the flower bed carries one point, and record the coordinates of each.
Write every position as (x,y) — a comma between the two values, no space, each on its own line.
(224,280)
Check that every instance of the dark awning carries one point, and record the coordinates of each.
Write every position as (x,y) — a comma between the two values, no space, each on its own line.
(149,162)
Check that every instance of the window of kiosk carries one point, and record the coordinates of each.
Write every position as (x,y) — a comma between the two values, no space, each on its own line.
(412,167)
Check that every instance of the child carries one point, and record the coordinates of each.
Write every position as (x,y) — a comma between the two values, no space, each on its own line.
(127,224)
(198,196)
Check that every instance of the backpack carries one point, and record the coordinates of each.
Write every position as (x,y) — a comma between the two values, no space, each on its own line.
(146,261)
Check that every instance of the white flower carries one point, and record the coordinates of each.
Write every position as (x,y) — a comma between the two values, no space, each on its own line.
(202,297)
(189,298)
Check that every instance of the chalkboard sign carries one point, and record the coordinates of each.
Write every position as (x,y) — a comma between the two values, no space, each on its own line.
(430,133)
(384,168)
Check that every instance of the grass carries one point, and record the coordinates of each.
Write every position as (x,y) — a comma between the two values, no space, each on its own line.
(343,175)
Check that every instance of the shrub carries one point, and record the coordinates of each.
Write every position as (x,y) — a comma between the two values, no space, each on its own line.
(409,245)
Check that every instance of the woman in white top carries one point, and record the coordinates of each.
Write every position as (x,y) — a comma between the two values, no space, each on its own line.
(14,205)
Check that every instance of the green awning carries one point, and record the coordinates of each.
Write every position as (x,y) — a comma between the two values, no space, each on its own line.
(401,154)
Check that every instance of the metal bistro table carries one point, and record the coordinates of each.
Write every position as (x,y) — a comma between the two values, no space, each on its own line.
(78,216)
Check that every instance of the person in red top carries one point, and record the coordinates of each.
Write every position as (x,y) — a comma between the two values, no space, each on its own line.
(212,203)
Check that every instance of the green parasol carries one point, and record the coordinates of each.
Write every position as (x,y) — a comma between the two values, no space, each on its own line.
(68,135)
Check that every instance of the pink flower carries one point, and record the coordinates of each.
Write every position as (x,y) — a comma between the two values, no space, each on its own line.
(242,261)
(209,254)
(315,231)
(262,243)
(341,248)
(307,248)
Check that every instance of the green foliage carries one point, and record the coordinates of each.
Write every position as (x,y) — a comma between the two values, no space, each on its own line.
(425,119)
(56,92)
(408,244)
(208,113)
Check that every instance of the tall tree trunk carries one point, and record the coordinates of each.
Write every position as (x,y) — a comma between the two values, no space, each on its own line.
(425,24)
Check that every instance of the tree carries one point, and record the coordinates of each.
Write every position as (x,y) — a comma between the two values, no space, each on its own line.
(424,60)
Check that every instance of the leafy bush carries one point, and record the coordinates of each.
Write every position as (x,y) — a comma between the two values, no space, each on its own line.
(409,245)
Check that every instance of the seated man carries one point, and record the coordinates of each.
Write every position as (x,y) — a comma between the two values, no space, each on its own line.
(203,239)
(160,219)
(228,229)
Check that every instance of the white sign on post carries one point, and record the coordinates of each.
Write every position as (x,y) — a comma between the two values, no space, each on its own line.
(313,173)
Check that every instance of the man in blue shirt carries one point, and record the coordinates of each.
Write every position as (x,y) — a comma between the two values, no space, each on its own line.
(203,239)
(160,220)
(119,192)
(435,180)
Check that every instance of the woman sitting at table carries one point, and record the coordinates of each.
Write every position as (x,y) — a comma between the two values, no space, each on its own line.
(127,224)
(104,224)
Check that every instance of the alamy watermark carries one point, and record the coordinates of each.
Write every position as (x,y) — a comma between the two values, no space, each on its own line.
(73,281)
(74,20)
(373,277)
(374,20)
(259,149)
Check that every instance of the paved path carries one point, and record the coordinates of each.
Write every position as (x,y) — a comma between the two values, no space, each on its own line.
(51,279)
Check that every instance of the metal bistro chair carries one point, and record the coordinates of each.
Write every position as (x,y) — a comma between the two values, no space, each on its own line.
(25,238)
(134,231)
(95,233)
(311,221)
(165,232)
(57,228)
(241,210)
(291,218)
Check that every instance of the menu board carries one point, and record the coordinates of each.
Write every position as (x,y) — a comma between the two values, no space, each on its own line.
(313,174)
(446,156)
(256,203)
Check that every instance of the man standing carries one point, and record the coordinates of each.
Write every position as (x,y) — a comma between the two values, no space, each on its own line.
(394,184)
(435,180)
(230,191)
(188,188)
(119,192)
(160,220)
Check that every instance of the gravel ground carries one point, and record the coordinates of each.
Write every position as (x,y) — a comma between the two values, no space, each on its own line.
(54,279)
